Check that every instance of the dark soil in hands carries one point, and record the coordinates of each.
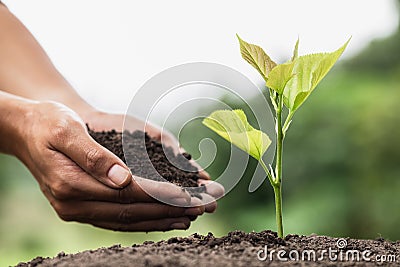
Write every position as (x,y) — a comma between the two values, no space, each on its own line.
(148,159)
(235,249)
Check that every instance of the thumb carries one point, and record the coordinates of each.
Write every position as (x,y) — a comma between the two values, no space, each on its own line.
(95,159)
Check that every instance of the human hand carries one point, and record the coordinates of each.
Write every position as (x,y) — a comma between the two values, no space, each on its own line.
(85,182)
(101,121)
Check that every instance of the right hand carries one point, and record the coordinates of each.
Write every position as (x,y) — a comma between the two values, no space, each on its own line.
(85,182)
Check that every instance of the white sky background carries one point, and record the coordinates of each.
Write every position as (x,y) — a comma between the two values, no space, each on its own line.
(108,49)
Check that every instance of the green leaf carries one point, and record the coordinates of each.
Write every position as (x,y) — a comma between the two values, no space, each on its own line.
(256,57)
(296,50)
(309,70)
(280,76)
(232,125)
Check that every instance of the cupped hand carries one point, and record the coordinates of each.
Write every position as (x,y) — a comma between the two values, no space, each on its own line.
(100,121)
(85,182)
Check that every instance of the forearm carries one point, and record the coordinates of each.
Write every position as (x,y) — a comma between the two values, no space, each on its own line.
(26,70)
(13,111)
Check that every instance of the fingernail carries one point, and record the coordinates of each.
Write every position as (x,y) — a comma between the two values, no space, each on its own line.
(118,174)
(179,225)
(193,212)
(181,201)
(195,202)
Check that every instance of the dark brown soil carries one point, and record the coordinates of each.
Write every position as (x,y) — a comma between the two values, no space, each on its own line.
(235,249)
(148,159)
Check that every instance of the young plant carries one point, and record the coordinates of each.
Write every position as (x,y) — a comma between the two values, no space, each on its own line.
(289,85)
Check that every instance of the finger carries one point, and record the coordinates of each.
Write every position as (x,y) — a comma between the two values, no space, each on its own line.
(78,185)
(204,175)
(213,188)
(147,226)
(91,211)
(197,203)
(165,192)
(192,218)
(76,143)
(209,202)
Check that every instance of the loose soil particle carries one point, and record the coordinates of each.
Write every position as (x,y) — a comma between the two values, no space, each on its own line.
(235,249)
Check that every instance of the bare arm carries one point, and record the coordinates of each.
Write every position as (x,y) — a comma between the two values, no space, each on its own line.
(12,113)
(27,71)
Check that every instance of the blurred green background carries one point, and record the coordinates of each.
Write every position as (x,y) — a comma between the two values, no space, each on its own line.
(341,171)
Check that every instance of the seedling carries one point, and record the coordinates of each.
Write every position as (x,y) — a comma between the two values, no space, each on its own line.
(289,85)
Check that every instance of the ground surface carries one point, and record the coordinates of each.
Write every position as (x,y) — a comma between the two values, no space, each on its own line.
(235,249)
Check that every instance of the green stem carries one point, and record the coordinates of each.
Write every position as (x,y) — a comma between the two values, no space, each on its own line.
(278,198)
(287,122)
(279,141)
(278,209)
(278,168)
(270,177)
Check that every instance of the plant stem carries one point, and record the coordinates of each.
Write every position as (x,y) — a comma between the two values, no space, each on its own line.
(276,178)
(287,122)
(269,175)
(279,141)
(278,168)
(278,209)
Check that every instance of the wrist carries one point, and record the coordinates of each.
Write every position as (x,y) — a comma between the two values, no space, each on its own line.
(86,112)
(14,112)
(65,94)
